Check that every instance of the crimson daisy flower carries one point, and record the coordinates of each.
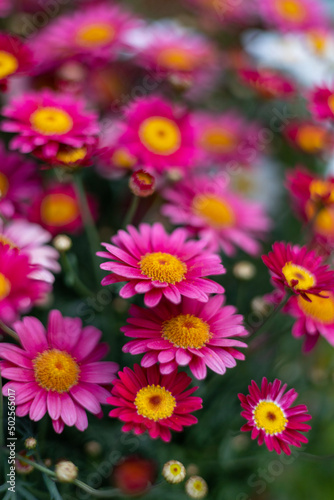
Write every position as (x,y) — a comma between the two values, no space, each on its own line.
(46,122)
(57,371)
(188,334)
(15,58)
(158,264)
(298,269)
(149,401)
(271,418)
(322,102)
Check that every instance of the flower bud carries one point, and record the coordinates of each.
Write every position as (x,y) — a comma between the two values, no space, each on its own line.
(30,443)
(142,183)
(66,472)
(196,487)
(244,270)
(62,243)
(93,448)
(174,471)
(21,467)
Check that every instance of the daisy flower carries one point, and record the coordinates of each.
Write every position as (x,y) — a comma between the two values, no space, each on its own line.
(158,264)
(57,209)
(45,121)
(267,83)
(293,15)
(225,137)
(19,183)
(310,137)
(15,58)
(188,334)
(271,418)
(312,318)
(19,290)
(57,371)
(174,471)
(96,33)
(321,102)
(158,134)
(298,269)
(149,401)
(31,240)
(208,208)
(196,487)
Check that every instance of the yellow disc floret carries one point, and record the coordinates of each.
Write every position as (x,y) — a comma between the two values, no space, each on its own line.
(216,212)
(5,287)
(163,267)
(51,121)
(95,35)
(320,309)
(8,64)
(56,370)
(160,135)
(294,273)
(4,185)
(155,402)
(187,331)
(72,155)
(176,59)
(217,140)
(59,209)
(269,417)
(291,10)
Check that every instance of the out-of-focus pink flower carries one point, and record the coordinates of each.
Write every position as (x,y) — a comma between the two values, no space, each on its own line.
(269,84)
(293,15)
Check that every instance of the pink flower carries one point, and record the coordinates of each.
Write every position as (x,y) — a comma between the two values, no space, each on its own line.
(30,239)
(19,290)
(15,58)
(94,34)
(293,15)
(298,269)
(149,401)
(271,418)
(46,121)
(57,209)
(57,371)
(188,334)
(226,137)
(267,83)
(158,264)
(321,102)
(208,208)
(309,136)
(158,134)
(312,318)
(19,183)
(228,13)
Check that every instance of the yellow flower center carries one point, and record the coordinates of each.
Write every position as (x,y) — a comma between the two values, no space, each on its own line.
(72,155)
(5,287)
(175,469)
(176,59)
(186,331)
(56,370)
(291,10)
(163,267)
(51,121)
(155,402)
(121,158)
(8,64)
(95,35)
(269,417)
(4,185)
(216,212)
(293,273)
(331,103)
(6,241)
(323,220)
(160,135)
(59,209)
(320,308)
(311,138)
(218,140)
(322,189)
(318,41)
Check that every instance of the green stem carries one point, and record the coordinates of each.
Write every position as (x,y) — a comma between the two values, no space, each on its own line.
(132,210)
(273,314)
(91,231)
(316,458)
(72,278)
(9,331)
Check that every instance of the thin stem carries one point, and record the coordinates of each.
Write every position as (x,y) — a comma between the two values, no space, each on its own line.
(132,210)
(271,316)
(9,331)
(91,232)
(72,279)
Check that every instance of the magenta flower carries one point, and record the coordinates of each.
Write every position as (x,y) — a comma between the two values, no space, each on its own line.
(209,208)
(31,240)
(271,418)
(19,288)
(294,15)
(149,401)
(45,122)
(15,58)
(299,269)
(158,264)
(57,371)
(322,102)
(188,334)
(158,134)
(19,183)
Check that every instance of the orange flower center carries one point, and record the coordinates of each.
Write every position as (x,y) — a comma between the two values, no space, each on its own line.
(176,59)
(291,10)
(59,209)
(8,64)
(218,140)
(215,211)
(5,287)
(4,185)
(187,331)
(163,267)
(311,138)
(155,402)
(56,370)
(160,135)
(95,35)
